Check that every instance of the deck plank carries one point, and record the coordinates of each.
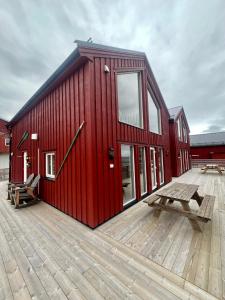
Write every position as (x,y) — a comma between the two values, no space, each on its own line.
(196,257)
(45,254)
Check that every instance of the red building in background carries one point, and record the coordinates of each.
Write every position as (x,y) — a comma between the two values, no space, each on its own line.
(122,153)
(208,145)
(179,141)
(4,146)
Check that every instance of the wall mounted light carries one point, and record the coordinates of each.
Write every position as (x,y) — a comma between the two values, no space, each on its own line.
(106,69)
(111,153)
(34,136)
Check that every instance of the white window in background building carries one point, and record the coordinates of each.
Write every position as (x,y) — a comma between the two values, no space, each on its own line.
(130,98)
(50,165)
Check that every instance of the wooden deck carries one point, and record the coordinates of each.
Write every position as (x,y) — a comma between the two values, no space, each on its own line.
(170,240)
(45,254)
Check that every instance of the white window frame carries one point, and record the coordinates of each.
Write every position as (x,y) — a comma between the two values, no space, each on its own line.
(179,129)
(158,114)
(49,154)
(154,186)
(8,140)
(185,132)
(145,172)
(161,153)
(140,97)
(133,178)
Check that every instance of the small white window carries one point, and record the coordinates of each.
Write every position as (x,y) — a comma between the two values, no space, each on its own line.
(50,165)
(7,141)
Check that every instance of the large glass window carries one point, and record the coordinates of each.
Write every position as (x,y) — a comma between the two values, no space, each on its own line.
(127,165)
(142,167)
(179,129)
(154,115)
(129,98)
(185,132)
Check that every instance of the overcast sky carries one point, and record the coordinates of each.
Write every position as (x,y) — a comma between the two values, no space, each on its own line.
(183,39)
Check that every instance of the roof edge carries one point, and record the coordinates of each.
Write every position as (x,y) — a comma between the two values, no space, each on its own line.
(103,48)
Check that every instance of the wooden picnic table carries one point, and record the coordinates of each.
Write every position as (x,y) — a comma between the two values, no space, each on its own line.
(183,193)
(213,167)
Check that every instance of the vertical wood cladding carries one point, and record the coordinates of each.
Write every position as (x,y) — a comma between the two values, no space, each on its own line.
(208,152)
(56,119)
(112,133)
(87,188)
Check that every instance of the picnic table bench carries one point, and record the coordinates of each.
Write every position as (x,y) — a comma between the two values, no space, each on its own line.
(212,167)
(183,193)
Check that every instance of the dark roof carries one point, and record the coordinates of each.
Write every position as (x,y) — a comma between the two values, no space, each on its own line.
(90,45)
(174,111)
(208,139)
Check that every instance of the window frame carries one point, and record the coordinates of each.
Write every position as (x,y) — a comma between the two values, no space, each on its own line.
(153,187)
(185,138)
(145,170)
(159,114)
(139,72)
(179,129)
(48,175)
(161,169)
(7,144)
(133,176)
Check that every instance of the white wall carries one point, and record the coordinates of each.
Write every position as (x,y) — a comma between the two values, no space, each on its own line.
(4,160)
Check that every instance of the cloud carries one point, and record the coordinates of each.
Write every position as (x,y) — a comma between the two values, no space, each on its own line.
(184,41)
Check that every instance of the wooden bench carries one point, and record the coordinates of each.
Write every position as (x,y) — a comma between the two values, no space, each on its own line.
(205,211)
(151,199)
(204,214)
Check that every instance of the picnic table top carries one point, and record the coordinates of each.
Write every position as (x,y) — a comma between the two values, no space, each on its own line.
(212,166)
(179,191)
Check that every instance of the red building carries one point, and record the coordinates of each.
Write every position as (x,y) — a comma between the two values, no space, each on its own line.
(208,145)
(122,152)
(179,141)
(4,145)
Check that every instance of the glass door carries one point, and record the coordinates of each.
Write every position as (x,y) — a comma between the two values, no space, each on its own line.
(187,158)
(181,163)
(128,173)
(153,168)
(161,166)
(142,168)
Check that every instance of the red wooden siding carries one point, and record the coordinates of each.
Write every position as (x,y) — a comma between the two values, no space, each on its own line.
(112,133)
(208,152)
(87,188)
(55,119)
